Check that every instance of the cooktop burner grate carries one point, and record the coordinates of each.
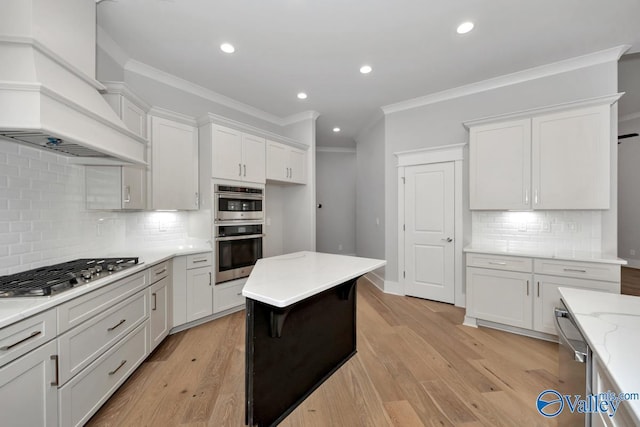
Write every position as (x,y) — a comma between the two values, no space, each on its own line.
(52,279)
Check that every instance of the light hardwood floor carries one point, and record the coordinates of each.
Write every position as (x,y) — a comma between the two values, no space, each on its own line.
(416,366)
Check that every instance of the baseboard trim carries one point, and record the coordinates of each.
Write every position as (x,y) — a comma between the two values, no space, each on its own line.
(393,288)
(190,325)
(520,331)
(376,280)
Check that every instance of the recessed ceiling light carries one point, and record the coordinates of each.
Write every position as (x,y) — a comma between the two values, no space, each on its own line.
(336,129)
(365,69)
(227,48)
(302,95)
(465,27)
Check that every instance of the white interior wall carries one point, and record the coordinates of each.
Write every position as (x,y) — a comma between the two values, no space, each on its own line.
(274,226)
(629,192)
(441,124)
(336,191)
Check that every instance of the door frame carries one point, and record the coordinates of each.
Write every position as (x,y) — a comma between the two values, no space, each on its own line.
(442,154)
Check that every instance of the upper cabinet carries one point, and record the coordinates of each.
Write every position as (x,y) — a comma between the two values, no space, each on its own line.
(285,163)
(174,162)
(236,155)
(557,160)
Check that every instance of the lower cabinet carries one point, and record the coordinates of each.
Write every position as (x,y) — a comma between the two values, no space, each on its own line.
(192,288)
(513,291)
(159,311)
(28,389)
(83,395)
(199,293)
(228,295)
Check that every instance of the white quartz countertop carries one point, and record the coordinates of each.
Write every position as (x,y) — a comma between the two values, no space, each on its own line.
(15,309)
(566,255)
(286,279)
(611,325)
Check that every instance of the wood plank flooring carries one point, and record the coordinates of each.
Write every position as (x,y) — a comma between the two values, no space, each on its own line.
(416,366)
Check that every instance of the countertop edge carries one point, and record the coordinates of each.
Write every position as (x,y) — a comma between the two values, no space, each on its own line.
(524,254)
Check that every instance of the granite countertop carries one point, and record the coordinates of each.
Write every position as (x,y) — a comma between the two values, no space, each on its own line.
(13,310)
(286,279)
(565,255)
(611,325)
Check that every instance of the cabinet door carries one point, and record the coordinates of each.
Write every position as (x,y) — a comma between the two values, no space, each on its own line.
(27,397)
(547,297)
(134,118)
(499,296)
(174,165)
(159,325)
(253,156)
(571,152)
(228,295)
(134,193)
(500,166)
(297,163)
(226,153)
(277,161)
(103,187)
(199,293)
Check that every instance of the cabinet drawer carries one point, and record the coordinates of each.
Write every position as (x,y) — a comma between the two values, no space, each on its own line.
(81,397)
(199,260)
(76,311)
(159,271)
(228,295)
(24,336)
(500,262)
(583,270)
(82,345)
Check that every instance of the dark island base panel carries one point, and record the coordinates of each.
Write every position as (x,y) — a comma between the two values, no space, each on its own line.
(291,351)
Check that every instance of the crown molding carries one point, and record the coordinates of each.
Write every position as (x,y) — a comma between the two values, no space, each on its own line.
(600,57)
(121,88)
(344,150)
(443,153)
(628,117)
(172,115)
(168,79)
(299,117)
(106,43)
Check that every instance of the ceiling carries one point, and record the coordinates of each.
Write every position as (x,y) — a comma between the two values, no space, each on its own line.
(287,46)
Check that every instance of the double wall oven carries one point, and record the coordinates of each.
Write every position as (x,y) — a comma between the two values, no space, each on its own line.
(237,229)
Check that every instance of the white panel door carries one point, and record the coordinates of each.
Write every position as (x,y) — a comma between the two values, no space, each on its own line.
(134,194)
(500,166)
(254,158)
(226,153)
(159,324)
(199,293)
(297,163)
(277,164)
(429,231)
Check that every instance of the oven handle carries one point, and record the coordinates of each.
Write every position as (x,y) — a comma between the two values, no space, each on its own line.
(578,355)
(249,196)
(244,237)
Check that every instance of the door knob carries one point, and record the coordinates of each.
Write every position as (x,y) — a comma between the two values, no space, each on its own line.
(448,240)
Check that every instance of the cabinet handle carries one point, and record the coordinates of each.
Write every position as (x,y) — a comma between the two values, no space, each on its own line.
(290,172)
(197,200)
(535,197)
(127,191)
(526,197)
(575,270)
(118,368)
(538,289)
(56,382)
(199,260)
(209,278)
(155,301)
(527,288)
(9,347)
(239,169)
(497,263)
(161,271)
(245,170)
(115,326)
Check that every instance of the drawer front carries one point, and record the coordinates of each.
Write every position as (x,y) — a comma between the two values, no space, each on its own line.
(582,270)
(500,262)
(24,336)
(228,296)
(76,311)
(81,397)
(199,260)
(159,271)
(82,345)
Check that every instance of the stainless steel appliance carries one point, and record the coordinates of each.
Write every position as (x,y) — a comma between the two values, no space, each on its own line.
(574,370)
(57,278)
(238,247)
(238,204)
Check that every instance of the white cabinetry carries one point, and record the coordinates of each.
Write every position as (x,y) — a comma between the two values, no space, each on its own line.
(285,163)
(160,306)
(235,155)
(522,292)
(544,161)
(199,293)
(192,288)
(174,162)
(28,376)
(228,295)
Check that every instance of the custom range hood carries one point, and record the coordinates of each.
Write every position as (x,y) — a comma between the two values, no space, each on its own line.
(48,92)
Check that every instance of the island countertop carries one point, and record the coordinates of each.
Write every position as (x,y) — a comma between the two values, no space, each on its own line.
(611,325)
(287,279)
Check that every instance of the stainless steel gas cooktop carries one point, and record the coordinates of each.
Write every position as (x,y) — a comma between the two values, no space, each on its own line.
(57,278)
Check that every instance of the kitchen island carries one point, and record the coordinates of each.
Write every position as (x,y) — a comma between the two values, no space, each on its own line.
(301,327)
